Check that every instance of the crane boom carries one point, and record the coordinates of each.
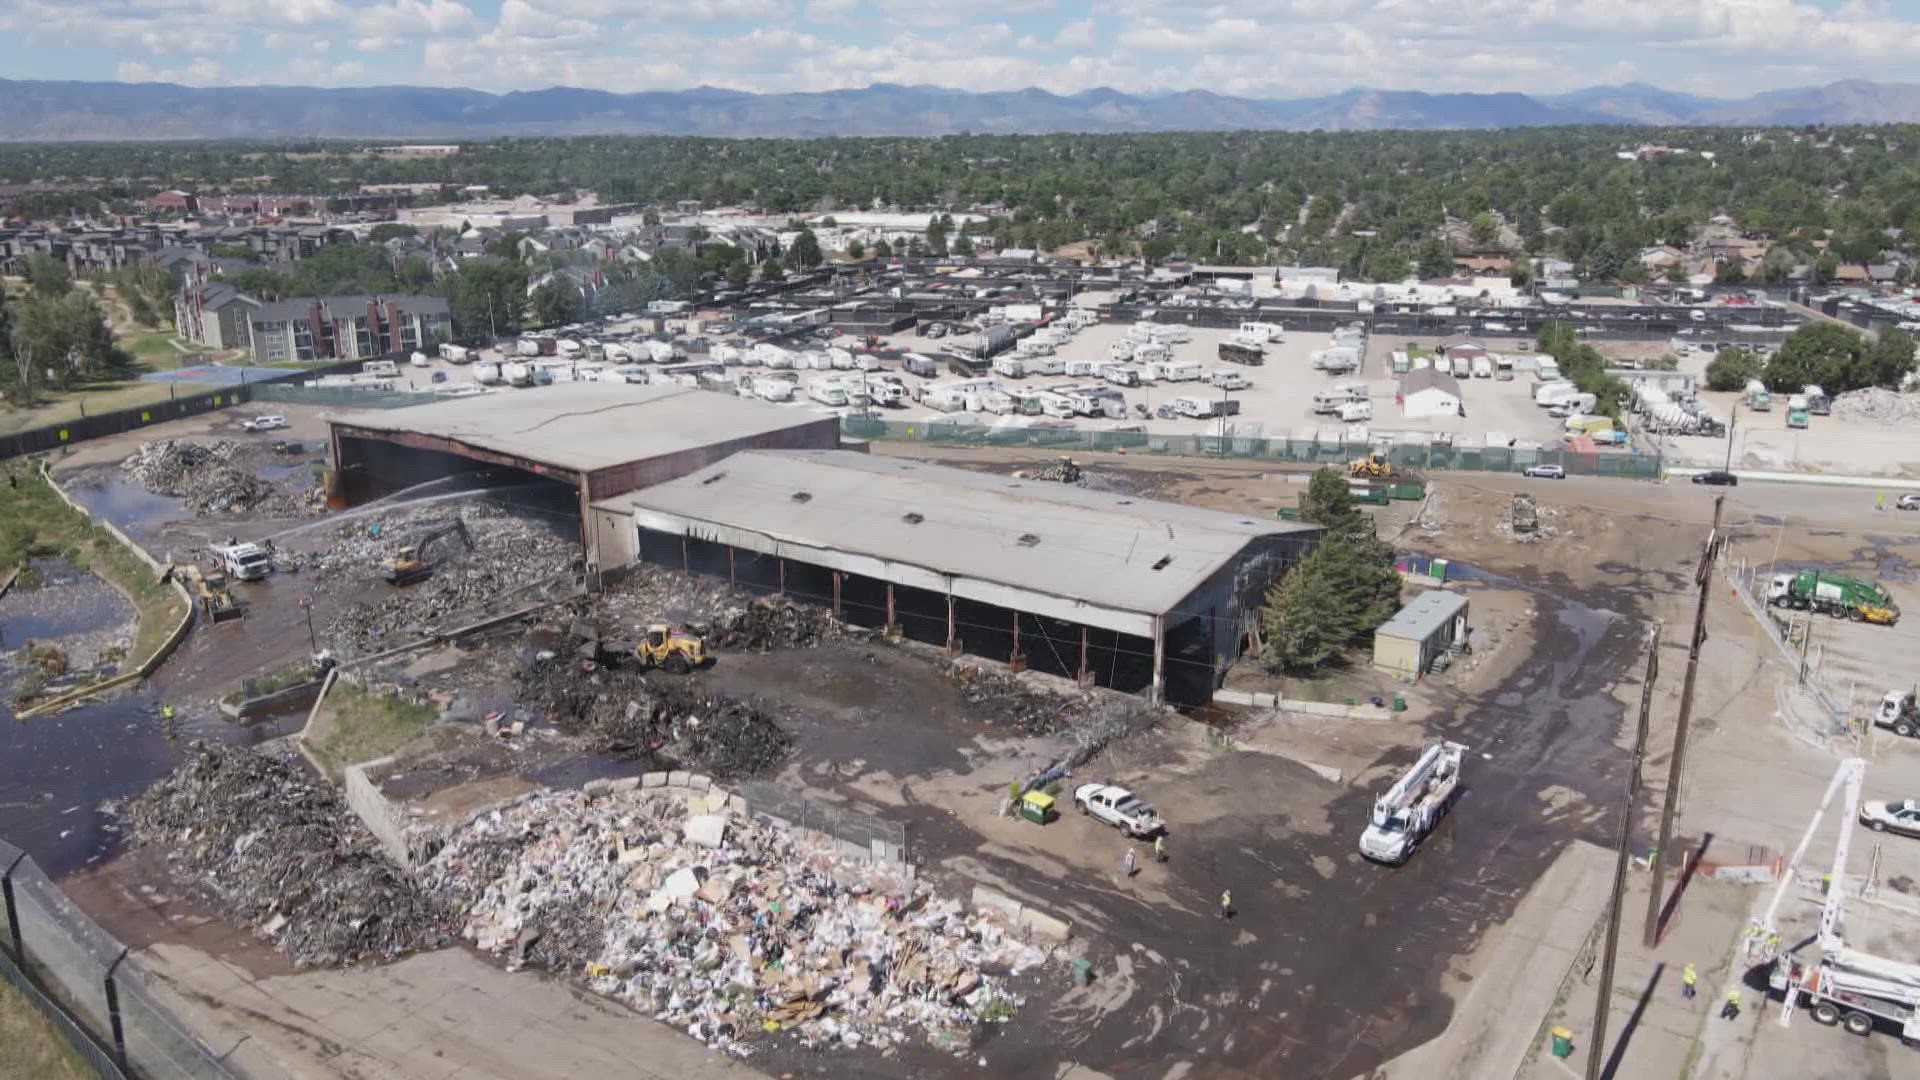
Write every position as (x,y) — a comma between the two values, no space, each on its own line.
(1851,773)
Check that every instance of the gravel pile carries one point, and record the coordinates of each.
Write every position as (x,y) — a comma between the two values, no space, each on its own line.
(280,853)
(1877,406)
(207,477)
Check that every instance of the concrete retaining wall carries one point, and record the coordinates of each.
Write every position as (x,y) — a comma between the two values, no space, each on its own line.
(375,812)
(293,697)
(1259,700)
(1036,923)
(146,667)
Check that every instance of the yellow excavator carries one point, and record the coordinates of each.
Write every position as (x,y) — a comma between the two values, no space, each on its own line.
(410,565)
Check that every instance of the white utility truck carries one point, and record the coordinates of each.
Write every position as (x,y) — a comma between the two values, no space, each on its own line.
(1413,805)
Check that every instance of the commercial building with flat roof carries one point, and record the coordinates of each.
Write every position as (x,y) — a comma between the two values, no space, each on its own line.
(1120,591)
(601,439)
(1407,643)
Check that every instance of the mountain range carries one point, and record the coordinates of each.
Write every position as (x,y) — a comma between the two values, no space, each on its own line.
(50,111)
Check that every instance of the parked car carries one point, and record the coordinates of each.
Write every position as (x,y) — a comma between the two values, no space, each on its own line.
(1546,472)
(1119,808)
(1908,502)
(1900,816)
(264,423)
(1718,478)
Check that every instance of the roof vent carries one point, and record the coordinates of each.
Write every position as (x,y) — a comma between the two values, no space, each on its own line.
(913,517)
(802,496)
(1162,563)
(715,478)
(1029,539)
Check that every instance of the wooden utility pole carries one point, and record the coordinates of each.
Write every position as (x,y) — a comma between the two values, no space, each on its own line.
(1703,577)
(1602,1006)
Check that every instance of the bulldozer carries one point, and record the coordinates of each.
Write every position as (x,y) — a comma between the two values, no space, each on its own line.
(1374,466)
(675,651)
(410,565)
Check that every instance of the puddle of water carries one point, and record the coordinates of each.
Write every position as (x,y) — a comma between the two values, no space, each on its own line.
(57,771)
(124,502)
(72,601)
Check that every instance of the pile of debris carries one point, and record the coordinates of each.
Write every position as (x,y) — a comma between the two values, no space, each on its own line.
(666,721)
(1524,521)
(1064,471)
(1878,406)
(997,697)
(515,563)
(207,478)
(728,928)
(280,853)
(728,617)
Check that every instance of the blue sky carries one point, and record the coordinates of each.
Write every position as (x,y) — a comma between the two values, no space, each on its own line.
(1269,48)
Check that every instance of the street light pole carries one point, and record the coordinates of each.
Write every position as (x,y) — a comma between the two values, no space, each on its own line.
(1733,421)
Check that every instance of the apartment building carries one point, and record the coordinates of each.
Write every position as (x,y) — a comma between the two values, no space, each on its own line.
(347,327)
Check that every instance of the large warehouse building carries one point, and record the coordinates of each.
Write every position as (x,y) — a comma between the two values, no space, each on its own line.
(1123,592)
(600,440)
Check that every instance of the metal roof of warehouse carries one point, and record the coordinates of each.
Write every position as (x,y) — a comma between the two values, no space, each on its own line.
(582,427)
(1423,615)
(1113,551)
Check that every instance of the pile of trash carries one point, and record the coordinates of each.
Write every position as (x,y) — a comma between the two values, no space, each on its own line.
(515,563)
(666,721)
(280,853)
(1064,471)
(206,477)
(1526,521)
(1879,406)
(999,698)
(725,927)
(728,617)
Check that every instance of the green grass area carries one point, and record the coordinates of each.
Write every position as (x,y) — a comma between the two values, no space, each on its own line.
(30,1047)
(34,522)
(156,348)
(59,406)
(356,725)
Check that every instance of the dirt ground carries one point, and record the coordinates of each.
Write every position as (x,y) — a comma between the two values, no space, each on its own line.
(1312,976)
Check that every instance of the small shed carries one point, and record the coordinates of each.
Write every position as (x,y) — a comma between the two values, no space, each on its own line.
(1430,392)
(1406,644)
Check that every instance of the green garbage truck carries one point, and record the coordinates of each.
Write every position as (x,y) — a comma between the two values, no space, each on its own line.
(1834,594)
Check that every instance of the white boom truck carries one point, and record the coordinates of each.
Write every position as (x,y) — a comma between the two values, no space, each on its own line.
(1843,986)
(1413,805)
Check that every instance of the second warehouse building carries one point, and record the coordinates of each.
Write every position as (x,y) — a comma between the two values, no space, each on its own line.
(1128,593)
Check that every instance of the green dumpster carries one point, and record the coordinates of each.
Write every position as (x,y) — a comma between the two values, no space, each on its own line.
(1562,1043)
(1082,972)
(1288,513)
(1437,570)
(1399,703)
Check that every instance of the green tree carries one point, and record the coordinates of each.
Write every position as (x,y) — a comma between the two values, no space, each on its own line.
(241,252)
(805,252)
(506,245)
(1485,228)
(1342,591)
(1387,265)
(738,273)
(937,237)
(856,250)
(1328,500)
(68,335)
(1827,354)
(486,298)
(557,302)
(1435,259)
(48,277)
(882,249)
(770,271)
(1731,369)
(261,283)
(343,269)
(1890,359)
(1731,272)
(963,245)
(389,230)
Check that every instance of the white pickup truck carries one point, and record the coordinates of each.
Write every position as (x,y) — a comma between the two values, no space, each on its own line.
(1119,808)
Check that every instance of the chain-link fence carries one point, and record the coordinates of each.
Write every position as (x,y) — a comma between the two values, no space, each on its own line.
(881,841)
(83,979)
(1416,452)
(342,396)
(1814,711)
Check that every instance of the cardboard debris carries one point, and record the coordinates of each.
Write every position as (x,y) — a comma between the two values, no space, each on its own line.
(756,937)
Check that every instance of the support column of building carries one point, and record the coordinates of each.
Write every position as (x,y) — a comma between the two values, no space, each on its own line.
(783,579)
(1018,661)
(1086,676)
(730,550)
(953,643)
(892,629)
(1159,659)
(686,560)
(836,596)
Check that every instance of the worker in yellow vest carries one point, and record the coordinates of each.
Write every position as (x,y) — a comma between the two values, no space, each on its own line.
(1689,979)
(1731,1010)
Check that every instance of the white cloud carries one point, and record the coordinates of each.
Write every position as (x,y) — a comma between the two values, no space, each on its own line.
(200,71)
(830,10)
